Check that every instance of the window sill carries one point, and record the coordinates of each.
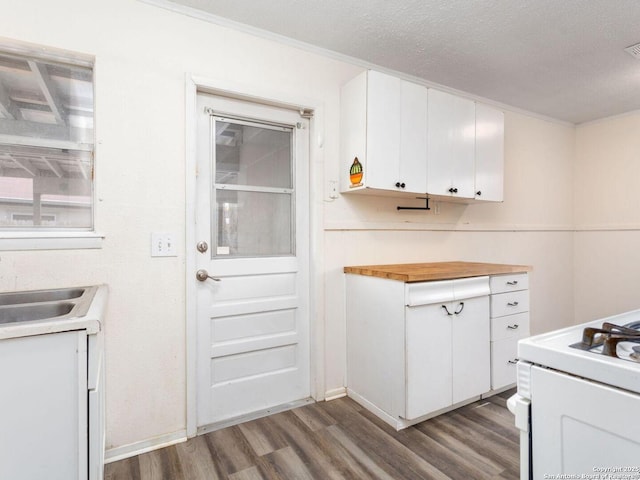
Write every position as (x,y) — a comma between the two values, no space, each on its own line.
(50,240)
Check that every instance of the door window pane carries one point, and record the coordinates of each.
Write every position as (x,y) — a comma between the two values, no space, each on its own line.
(253,224)
(253,191)
(253,155)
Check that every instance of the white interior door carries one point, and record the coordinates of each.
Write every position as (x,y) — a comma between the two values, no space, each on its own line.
(252,212)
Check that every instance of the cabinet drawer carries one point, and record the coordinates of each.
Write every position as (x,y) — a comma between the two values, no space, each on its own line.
(509,303)
(509,283)
(510,326)
(426,293)
(503,362)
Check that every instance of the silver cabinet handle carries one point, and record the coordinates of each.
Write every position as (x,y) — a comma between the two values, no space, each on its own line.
(513,362)
(513,304)
(202,275)
(514,282)
(513,327)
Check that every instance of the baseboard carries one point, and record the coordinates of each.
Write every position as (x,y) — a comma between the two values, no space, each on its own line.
(498,390)
(335,393)
(133,449)
(378,412)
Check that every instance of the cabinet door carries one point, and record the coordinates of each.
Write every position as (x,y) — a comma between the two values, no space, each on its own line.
(413,138)
(383,131)
(428,357)
(489,153)
(463,146)
(439,143)
(451,145)
(471,350)
(43,407)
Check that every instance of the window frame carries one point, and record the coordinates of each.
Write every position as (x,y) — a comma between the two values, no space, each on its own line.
(16,239)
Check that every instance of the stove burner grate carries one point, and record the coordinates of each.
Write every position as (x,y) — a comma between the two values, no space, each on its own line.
(605,340)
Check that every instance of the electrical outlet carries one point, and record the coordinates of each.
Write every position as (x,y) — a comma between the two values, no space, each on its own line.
(333,189)
(163,245)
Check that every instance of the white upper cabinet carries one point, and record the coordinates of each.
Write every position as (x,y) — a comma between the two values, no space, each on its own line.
(384,125)
(451,145)
(399,137)
(489,153)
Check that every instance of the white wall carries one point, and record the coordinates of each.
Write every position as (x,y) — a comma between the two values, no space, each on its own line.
(142,55)
(607,214)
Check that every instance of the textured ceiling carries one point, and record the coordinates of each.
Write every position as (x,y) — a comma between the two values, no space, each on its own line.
(560,58)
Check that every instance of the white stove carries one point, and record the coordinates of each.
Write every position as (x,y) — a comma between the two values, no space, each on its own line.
(578,394)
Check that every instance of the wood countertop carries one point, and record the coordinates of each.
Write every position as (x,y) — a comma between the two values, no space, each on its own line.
(423,272)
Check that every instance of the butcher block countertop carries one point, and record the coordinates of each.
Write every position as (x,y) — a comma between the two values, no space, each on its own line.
(424,272)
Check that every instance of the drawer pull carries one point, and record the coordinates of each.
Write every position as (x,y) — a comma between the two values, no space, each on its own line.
(447,310)
(514,282)
(513,362)
(512,304)
(513,327)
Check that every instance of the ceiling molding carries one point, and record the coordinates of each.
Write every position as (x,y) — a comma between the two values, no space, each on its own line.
(288,41)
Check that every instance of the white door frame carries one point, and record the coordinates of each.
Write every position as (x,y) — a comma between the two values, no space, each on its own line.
(258,94)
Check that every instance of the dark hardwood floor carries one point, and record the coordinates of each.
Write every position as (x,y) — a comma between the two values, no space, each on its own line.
(339,439)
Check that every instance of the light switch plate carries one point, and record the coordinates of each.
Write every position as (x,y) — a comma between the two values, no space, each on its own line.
(163,245)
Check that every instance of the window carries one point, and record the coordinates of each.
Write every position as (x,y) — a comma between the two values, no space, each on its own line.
(253,190)
(46,144)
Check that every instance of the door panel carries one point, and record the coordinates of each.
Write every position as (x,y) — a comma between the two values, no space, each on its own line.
(463,146)
(413,137)
(440,136)
(489,153)
(225,329)
(383,130)
(428,342)
(252,209)
(471,363)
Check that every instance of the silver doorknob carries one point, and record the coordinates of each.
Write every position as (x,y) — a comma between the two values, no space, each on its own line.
(202,247)
(202,275)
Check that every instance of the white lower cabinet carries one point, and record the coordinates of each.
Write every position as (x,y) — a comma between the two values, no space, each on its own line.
(415,350)
(418,348)
(45,406)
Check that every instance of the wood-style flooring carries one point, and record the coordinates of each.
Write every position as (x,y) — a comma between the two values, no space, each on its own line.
(341,440)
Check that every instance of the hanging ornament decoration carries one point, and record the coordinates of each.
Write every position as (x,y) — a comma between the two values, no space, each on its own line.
(355,173)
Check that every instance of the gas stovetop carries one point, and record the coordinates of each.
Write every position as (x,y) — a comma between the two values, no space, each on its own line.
(620,341)
(600,350)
